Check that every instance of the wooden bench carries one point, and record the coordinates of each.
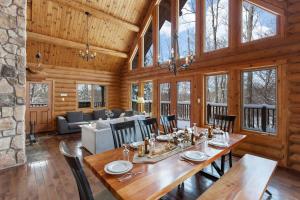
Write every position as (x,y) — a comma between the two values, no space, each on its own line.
(247,179)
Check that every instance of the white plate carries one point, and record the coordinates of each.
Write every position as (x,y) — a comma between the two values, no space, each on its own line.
(218,143)
(195,156)
(136,144)
(163,137)
(118,167)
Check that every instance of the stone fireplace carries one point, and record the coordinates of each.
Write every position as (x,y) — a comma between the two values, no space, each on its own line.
(12,82)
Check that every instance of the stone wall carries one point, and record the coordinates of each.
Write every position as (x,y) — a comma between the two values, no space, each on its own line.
(12,82)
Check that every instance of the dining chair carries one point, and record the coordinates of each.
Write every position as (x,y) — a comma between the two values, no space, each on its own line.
(169,122)
(148,126)
(123,133)
(226,124)
(85,192)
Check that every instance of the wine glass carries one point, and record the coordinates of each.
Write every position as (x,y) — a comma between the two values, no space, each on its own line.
(125,152)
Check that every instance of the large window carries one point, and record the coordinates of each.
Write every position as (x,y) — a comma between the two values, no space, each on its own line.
(148,47)
(164,30)
(216,24)
(90,96)
(165,98)
(134,96)
(257,23)
(216,96)
(148,92)
(38,93)
(187,24)
(259,100)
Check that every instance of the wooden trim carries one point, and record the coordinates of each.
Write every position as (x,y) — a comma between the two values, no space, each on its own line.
(155,34)
(97,13)
(76,45)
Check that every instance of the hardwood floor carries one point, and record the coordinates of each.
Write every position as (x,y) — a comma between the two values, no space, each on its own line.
(47,176)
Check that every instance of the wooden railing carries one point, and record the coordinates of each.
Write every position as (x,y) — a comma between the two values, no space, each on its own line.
(148,106)
(183,111)
(33,105)
(99,104)
(256,117)
(165,107)
(134,105)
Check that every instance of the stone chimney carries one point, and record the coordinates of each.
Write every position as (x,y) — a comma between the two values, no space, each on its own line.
(12,82)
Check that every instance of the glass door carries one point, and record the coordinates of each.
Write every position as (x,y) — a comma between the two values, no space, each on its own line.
(183,107)
(164,99)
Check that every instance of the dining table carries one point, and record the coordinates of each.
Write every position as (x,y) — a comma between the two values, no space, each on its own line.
(154,180)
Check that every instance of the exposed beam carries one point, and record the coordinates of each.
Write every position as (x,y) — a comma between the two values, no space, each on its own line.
(67,43)
(97,13)
(144,25)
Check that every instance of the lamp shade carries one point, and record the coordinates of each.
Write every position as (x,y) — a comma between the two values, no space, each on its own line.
(140,100)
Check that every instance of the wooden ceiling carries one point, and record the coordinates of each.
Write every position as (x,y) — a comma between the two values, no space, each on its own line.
(56,28)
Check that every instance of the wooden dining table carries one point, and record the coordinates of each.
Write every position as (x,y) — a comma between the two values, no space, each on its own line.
(157,179)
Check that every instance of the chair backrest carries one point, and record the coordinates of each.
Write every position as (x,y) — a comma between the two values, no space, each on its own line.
(225,122)
(85,192)
(169,122)
(123,133)
(148,126)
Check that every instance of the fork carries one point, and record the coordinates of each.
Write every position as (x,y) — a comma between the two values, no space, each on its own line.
(128,176)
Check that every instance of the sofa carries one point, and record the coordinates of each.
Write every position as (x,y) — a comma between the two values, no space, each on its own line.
(97,137)
(72,121)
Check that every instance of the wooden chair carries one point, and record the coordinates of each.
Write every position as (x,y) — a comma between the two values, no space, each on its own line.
(226,123)
(85,192)
(169,122)
(123,133)
(148,126)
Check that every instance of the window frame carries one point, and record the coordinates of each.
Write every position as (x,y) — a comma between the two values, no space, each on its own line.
(280,22)
(278,106)
(143,92)
(92,95)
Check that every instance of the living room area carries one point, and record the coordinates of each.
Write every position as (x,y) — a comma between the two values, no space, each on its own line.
(149,99)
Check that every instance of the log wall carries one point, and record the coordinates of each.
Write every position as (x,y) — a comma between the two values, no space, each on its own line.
(65,80)
(282,51)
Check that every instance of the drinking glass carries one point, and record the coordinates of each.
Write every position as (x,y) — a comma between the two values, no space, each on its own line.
(125,152)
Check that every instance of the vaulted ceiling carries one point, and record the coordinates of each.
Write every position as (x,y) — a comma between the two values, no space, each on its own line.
(56,28)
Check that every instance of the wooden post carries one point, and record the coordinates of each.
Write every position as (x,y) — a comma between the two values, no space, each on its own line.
(264,118)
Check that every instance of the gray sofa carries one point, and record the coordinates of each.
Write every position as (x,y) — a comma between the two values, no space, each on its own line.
(71,122)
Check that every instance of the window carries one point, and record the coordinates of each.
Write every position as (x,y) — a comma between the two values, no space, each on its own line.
(259,100)
(99,96)
(134,96)
(257,23)
(90,96)
(148,90)
(38,94)
(187,24)
(84,95)
(165,98)
(183,104)
(216,24)
(148,47)
(164,30)
(135,60)
(216,96)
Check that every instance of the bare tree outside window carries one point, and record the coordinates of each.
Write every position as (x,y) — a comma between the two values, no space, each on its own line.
(148,92)
(259,100)
(134,96)
(216,24)
(216,96)
(257,23)
(148,47)
(165,98)
(84,95)
(187,24)
(38,94)
(164,30)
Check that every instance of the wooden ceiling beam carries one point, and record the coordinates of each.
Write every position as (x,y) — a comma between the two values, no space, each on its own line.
(97,13)
(70,44)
